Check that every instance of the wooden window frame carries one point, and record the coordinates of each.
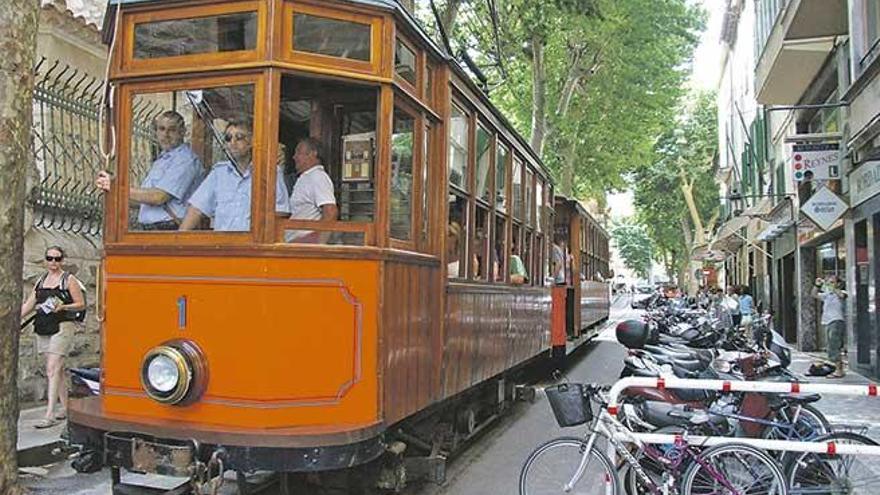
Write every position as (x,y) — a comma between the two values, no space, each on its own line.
(415,90)
(480,123)
(130,65)
(291,55)
(119,221)
(415,198)
(275,227)
(464,109)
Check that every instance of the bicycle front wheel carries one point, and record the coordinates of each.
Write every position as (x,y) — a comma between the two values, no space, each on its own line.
(552,465)
(837,474)
(734,469)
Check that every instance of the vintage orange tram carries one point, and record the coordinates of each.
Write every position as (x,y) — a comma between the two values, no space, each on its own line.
(269,341)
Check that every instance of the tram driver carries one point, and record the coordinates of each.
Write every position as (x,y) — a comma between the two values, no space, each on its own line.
(225,194)
(172,177)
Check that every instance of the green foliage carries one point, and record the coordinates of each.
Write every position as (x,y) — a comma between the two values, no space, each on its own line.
(634,246)
(629,59)
(684,151)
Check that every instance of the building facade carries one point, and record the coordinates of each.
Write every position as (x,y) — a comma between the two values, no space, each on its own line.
(815,142)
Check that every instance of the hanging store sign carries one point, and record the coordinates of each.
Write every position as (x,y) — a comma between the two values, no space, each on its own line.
(824,208)
(819,161)
(864,182)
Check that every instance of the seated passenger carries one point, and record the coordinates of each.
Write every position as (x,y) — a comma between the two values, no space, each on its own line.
(171,180)
(518,273)
(225,194)
(313,197)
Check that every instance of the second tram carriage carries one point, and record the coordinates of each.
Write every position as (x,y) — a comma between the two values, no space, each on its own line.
(399,321)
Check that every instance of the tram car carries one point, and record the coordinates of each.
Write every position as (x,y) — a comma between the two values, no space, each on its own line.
(244,337)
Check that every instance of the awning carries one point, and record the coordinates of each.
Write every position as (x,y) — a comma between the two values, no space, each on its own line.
(773,231)
(729,237)
(705,253)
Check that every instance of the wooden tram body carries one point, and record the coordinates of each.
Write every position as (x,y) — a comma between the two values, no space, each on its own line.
(306,354)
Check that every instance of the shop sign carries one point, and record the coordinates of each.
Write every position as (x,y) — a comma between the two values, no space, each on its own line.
(824,208)
(864,182)
(815,161)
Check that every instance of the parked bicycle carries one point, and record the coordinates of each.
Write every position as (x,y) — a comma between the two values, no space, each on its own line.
(579,466)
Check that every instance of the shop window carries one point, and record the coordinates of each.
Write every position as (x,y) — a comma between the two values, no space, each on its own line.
(517,189)
(332,37)
(196,151)
(405,62)
(459,128)
(456,237)
(402,147)
(501,167)
(178,37)
(340,120)
(484,142)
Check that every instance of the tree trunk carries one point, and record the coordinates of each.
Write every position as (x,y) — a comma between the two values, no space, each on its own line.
(566,187)
(449,15)
(539,95)
(18,38)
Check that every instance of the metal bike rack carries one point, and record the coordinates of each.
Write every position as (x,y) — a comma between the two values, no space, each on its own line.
(831,448)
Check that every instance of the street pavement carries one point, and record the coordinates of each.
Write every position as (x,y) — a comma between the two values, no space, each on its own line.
(491,465)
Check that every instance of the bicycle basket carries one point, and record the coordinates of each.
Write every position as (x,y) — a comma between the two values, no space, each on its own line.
(569,404)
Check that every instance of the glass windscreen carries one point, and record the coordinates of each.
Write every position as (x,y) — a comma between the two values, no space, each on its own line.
(191,160)
(176,37)
(333,37)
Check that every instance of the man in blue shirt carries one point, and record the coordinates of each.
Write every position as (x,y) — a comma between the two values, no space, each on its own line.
(225,194)
(172,178)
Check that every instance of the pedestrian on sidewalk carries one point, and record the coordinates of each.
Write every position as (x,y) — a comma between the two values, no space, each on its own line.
(731,304)
(746,307)
(59,302)
(830,292)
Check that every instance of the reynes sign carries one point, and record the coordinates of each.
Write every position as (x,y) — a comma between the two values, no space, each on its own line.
(815,161)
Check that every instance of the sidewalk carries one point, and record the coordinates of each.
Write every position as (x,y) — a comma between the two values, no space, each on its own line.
(36,447)
(848,412)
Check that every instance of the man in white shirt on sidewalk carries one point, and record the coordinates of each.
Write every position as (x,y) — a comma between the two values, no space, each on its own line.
(832,295)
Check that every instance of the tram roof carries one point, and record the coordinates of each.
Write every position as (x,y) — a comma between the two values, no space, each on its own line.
(412,24)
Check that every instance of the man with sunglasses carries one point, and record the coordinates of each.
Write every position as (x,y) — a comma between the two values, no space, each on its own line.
(171,180)
(225,194)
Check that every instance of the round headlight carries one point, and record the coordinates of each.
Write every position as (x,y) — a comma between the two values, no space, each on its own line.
(162,373)
(175,372)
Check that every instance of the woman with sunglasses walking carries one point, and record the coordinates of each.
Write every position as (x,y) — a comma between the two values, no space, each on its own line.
(59,302)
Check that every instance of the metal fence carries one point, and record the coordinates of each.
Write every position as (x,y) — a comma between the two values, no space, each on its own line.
(66,143)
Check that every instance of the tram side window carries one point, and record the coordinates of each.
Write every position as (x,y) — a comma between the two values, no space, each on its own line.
(405,62)
(176,37)
(501,173)
(191,160)
(484,142)
(456,237)
(340,120)
(517,189)
(402,146)
(501,253)
(333,37)
(482,267)
(518,272)
(458,148)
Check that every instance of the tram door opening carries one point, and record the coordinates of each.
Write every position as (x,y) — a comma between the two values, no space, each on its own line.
(343,118)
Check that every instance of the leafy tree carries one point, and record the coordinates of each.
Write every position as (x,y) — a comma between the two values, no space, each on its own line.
(18,37)
(591,82)
(676,196)
(634,246)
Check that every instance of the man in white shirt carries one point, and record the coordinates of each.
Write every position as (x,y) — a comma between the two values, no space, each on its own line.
(831,294)
(313,197)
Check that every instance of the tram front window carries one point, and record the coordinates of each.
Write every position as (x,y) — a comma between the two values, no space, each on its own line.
(340,120)
(177,37)
(191,160)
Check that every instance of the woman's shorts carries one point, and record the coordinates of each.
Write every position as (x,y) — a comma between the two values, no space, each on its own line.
(60,343)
